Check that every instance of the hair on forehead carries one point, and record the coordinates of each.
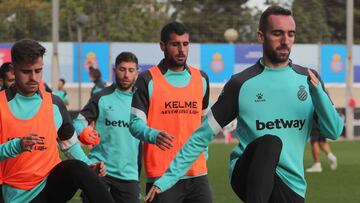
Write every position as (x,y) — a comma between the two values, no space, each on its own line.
(272,10)
(26,51)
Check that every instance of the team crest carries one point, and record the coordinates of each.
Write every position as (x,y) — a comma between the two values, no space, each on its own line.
(302,94)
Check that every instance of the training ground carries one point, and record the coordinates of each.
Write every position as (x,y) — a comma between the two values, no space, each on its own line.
(340,186)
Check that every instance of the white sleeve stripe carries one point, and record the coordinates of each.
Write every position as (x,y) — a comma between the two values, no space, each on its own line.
(139,113)
(205,111)
(66,144)
(214,125)
(83,120)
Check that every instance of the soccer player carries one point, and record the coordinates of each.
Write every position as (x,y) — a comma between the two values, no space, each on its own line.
(319,142)
(95,76)
(61,92)
(32,124)
(274,102)
(7,75)
(118,149)
(167,107)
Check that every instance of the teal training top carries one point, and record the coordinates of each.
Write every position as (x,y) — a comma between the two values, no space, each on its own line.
(19,106)
(118,149)
(276,101)
(63,95)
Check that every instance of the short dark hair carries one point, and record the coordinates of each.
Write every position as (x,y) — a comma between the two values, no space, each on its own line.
(272,10)
(5,67)
(26,51)
(62,80)
(171,28)
(127,57)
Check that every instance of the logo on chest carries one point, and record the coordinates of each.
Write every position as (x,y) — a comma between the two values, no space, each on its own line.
(180,107)
(117,123)
(109,108)
(302,94)
(280,123)
(260,98)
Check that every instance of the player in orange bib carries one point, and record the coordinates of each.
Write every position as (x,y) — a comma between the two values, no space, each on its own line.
(32,124)
(167,107)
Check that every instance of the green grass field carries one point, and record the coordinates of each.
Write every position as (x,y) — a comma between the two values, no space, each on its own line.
(340,186)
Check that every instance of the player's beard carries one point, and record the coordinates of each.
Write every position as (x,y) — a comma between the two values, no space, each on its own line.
(273,53)
(172,62)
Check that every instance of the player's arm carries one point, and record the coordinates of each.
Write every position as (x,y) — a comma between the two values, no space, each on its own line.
(206,97)
(67,137)
(88,114)
(330,123)
(205,102)
(14,147)
(221,113)
(138,119)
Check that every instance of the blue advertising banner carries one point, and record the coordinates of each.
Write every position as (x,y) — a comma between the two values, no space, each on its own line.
(246,55)
(333,63)
(5,55)
(357,73)
(92,54)
(217,60)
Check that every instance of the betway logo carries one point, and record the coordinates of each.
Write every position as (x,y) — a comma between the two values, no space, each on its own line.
(119,123)
(279,124)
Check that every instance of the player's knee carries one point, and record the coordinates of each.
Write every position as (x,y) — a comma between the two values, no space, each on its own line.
(271,144)
(79,168)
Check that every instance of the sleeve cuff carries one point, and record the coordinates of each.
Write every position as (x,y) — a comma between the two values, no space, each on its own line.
(153,135)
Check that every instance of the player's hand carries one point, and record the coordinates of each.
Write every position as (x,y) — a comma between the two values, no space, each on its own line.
(312,78)
(28,141)
(99,168)
(151,194)
(164,140)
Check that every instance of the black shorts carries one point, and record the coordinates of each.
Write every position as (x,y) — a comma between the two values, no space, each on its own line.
(122,191)
(317,138)
(185,191)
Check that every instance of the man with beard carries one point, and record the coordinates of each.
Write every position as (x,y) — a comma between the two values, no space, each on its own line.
(7,75)
(274,102)
(110,110)
(33,123)
(167,107)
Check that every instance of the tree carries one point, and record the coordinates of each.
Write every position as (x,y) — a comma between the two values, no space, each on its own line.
(207,20)
(311,23)
(25,19)
(324,21)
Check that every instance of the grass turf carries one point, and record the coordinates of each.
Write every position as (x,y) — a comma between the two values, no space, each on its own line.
(340,186)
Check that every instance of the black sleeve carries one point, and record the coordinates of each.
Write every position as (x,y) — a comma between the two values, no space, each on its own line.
(66,130)
(91,109)
(207,93)
(47,88)
(141,98)
(226,107)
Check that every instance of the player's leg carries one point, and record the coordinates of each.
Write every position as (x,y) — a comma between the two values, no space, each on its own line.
(325,147)
(253,176)
(69,176)
(315,149)
(107,183)
(283,194)
(124,191)
(174,195)
(198,190)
